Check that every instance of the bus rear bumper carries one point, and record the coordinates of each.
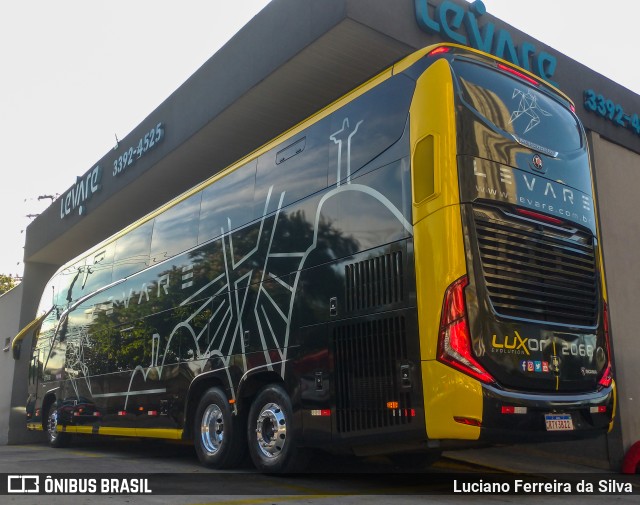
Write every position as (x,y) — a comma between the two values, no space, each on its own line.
(458,407)
(516,417)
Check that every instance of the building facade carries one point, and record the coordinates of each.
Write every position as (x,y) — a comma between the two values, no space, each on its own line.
(292,59)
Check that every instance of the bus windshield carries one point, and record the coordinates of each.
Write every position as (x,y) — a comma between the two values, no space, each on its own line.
(517,108)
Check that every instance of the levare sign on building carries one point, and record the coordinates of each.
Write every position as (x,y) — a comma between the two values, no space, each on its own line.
(81,192)
(462,26)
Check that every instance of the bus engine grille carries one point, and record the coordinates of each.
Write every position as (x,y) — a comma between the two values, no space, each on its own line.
(366,358)
(538,275)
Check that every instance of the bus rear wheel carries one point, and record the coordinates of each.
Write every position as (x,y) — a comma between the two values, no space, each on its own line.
(219,435)
(56,437)
(271,435)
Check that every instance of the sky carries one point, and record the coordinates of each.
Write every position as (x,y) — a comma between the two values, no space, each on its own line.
(75,74)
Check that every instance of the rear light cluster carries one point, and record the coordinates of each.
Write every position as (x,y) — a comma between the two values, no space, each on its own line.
(454,343)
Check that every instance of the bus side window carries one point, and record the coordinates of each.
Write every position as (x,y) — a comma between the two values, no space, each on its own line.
(227,204)
(298,168)
(98,269)
(176,229)
(54,367)
(36,365)
(132,251)
(70,284)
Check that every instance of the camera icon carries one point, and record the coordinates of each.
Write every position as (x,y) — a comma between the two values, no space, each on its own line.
(23,484)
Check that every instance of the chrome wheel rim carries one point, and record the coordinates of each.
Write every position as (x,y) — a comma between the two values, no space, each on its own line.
(212,429)
(271,430)
(52,425)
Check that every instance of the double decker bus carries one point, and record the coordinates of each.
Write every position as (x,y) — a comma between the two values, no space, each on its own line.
(413,268)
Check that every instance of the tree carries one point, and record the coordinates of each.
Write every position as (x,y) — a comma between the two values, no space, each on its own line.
(7,282)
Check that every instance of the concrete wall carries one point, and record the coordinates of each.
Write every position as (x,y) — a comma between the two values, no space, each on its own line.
(9,318)
(617,175)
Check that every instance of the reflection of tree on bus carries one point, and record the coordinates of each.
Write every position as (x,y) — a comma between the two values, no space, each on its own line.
(356,280)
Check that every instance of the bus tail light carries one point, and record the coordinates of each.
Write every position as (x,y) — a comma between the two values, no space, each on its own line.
(539,217)
(607,376)
(454,343)
(439,50)
(519,74)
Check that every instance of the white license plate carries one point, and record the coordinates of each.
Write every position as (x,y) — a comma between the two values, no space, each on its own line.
(558,422)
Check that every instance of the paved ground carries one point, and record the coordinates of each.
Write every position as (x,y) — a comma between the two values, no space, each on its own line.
(175,468)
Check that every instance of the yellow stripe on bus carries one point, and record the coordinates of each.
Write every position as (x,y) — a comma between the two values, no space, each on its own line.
(167,433)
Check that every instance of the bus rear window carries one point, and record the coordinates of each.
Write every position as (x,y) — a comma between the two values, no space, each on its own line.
(517,108)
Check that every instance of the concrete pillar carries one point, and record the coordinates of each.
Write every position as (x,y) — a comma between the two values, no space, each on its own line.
(36,275)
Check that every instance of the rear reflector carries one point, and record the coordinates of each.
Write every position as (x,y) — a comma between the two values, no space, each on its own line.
(601,409)
(510,409)
(468,421)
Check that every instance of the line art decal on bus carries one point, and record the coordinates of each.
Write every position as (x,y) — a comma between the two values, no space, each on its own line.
(528,105)
(415,263)
(337,137)
(230,309)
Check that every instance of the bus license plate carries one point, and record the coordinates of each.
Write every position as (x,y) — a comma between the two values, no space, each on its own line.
(558,422)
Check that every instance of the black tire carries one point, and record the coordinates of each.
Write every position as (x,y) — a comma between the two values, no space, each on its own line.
(271,434)
(219,435)
(56,438)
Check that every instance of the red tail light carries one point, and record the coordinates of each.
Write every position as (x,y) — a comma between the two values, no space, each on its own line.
(539,217)
(454,344)
(439,50)
(607,376)
(521,75)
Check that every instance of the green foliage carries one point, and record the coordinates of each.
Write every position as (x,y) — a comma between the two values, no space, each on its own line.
(7,282)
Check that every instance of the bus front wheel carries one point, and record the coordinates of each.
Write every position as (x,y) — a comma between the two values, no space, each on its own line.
(219,435)
(272,443)
(56,437)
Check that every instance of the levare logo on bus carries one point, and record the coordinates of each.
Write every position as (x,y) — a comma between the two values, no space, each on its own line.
(452,22)
(81,192)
